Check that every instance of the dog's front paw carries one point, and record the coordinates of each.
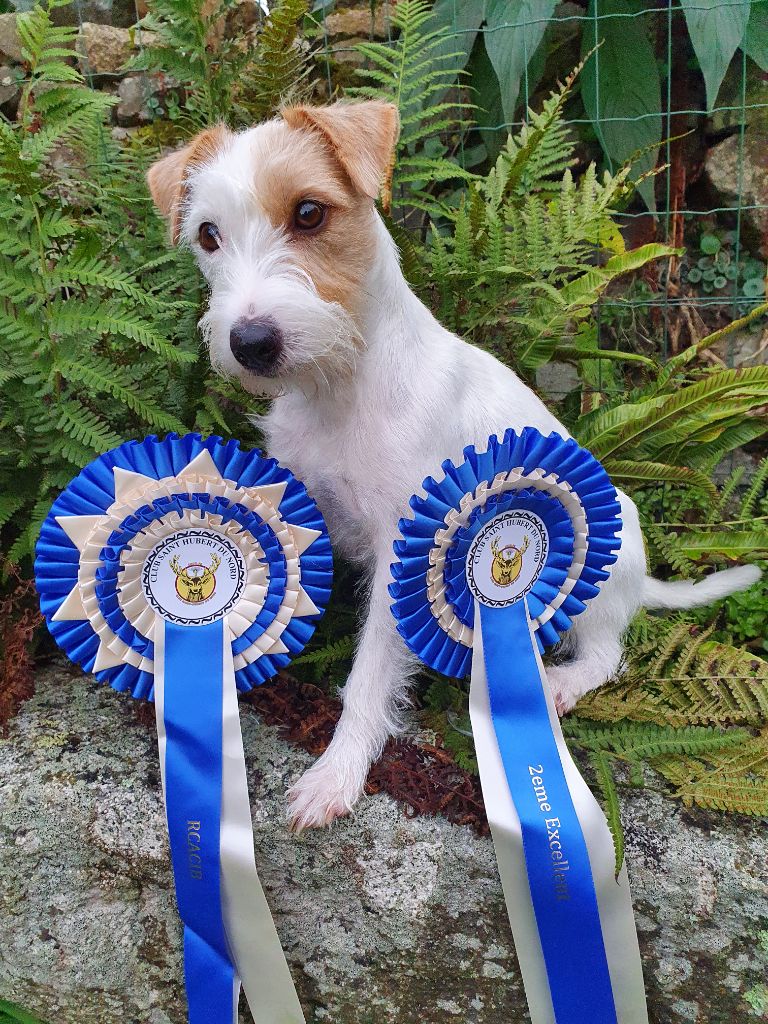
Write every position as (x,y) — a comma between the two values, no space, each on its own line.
(565,690)
(321,795)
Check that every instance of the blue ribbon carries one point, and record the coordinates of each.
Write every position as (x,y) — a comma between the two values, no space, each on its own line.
(92,492)
(194,678)
(192,712)
(559,873)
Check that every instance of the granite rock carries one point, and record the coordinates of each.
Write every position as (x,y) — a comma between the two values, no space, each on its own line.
(737,169)
(10,44)
(365,22)
(133,93)
(10,89)
(385,919)
(104,49)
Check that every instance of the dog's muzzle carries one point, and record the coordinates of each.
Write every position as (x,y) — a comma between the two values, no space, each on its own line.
(256,345)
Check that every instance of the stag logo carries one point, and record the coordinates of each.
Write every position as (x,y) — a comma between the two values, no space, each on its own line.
(507,562)
(506,557)
(195,583)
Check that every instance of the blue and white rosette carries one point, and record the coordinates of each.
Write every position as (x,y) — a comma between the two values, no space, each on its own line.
(182,570)
(497,559)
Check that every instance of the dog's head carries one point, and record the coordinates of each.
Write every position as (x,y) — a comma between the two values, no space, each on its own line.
(282,220)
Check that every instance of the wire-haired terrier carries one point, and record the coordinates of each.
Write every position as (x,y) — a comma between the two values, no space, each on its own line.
(308,305)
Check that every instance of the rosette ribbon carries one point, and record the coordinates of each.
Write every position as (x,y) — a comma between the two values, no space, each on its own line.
(497,559)
(181,571)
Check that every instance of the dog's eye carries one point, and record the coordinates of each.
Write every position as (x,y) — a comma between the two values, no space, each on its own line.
(308,215)
(209,237)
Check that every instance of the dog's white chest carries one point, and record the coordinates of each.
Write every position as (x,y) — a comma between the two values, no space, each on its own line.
(352,477)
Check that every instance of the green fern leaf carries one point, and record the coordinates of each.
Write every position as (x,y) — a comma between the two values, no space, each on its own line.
(85,426)
(604,776)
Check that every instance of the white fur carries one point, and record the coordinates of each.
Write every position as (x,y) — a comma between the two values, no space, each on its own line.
(362,427)
(682,594)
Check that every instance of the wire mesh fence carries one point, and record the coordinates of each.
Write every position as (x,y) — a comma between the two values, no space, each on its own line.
(681,80)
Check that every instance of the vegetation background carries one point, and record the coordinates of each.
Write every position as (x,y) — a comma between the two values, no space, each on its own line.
(578,188)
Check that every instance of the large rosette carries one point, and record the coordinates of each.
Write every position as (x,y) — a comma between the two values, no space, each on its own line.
(180,570)
(553,480)
(497,559)
(95,543)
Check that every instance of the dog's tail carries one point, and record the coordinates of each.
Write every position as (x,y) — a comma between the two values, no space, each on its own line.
(682,594)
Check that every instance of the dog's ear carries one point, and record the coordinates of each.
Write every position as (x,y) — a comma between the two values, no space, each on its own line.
(361,135)
(167,177)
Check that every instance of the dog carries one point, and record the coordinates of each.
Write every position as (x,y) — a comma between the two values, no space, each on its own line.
(308,305)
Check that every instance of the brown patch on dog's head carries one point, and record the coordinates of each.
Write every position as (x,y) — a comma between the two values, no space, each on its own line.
(336,156)
(167,177)
(362,137)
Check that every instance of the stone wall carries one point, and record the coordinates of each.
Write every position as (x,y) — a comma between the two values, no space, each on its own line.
(385,919)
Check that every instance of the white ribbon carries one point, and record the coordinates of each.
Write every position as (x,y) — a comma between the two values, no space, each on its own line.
(254,943)
(613,896)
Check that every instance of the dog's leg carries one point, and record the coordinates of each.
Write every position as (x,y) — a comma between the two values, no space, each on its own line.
(374,698)
(595,640)
(598,656)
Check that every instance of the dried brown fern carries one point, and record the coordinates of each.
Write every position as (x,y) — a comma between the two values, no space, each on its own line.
(19,619)
(679,676)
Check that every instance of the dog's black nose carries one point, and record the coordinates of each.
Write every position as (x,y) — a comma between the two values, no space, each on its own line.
(256,344)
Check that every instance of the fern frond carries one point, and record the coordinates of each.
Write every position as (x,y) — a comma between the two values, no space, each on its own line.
(736,781)
(99,318)
(24,545)
(641,741)
(9,505)
(84,425)
(709,452)
(537,247)
(679,676)
(731,544)
(755,491)
(607,785)
(631,473)
(278,69)
(415,73)
(618,430)
(100,376)
(91,271)
(338,651)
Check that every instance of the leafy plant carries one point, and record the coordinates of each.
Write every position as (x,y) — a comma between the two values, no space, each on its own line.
(278,67)
(717,271)
(91,353)
(695,526)
(328,658)
(703,706)
(536,247)
(677,429)
(415,74)
(679,676)
(10,1014)
(514,37)
(232,77)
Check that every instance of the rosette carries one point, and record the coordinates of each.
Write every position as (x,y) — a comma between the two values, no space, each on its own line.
(497,559)
(181,570)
